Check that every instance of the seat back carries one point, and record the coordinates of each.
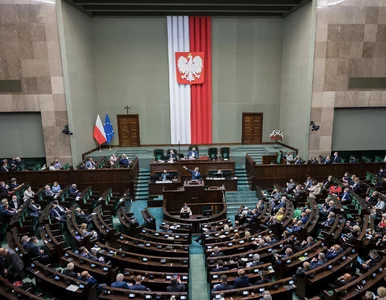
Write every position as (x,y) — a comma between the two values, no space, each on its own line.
(158,154)
(212,153)
(225,152)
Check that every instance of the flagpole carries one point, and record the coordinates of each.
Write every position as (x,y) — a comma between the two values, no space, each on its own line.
(100,148)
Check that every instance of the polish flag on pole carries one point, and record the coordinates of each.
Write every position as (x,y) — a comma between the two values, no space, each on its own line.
(99,132)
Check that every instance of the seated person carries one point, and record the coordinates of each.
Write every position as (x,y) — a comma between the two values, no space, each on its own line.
(352,237)
(309,182)
(83,230)
(34,209)
(382,224)
(193,153)
(58,212)
(326,208)
(69,271)
(138,284)
(119,283)
(372,199)
(280,215)
(57,165)
(282,257)
(83,251)
(14,203)
(165,176)
(301,270)
(82,166)
(52,166)
(315,190)
(345,179)
(335,190)
(186,209)
(73,191)
(299,160)
(7,212)
(124,161)
(56,189)
(298,191)
(223,285)
(320,260)
(346,196)
(90,164)
(196,175)
(275,195)
(80,216)
(279,205)
(85,276)
(328,182)
(220,266)
(35,253)
(356,185)
(289,157)
(176,285)
(313,161)
(216,252)
(28,194)
(353,160)
(307,243)
(242,279)
(24,240)
(171,155)
(341,281)
(113,160)
(374,259)
(290,186)
(333,252)
(4,192)
(264,279)
(381,173)
(328,160)
(13,184)
(330,220)
(295,228)
(48,193)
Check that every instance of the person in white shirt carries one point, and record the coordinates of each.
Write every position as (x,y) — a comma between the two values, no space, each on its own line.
(113,159)
(28,194)
(52,167)
(289,158)
(186,209)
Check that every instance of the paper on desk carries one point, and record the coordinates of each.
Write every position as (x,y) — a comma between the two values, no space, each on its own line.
(72,288)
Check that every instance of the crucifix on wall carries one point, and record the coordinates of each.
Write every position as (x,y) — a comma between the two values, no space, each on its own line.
(127,109)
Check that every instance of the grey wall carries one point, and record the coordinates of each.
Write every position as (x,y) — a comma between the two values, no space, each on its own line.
(296,77)
(246,74)
(22,135)
(359,129)
(78,66)
(131,67)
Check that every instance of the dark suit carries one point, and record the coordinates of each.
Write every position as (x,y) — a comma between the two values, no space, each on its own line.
(33,210)
(54,214)
(14,266)
(139,287)
(223,287)
(193,153)
(3,191)
(165,176)
(346,197)
(220,269)
(14,205)
(33,251)
(13,186)
(242,281)
(70,273)
(262,281)
(4,169)
(120,284)
(176,288)
(73,192)
(336,160)
(124,162)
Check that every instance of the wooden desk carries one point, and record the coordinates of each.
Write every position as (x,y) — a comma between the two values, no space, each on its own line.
(156,188)
(229,184)
(204,165)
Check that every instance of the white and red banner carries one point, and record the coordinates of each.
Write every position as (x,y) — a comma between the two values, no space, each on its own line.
(99,131)
(190,79)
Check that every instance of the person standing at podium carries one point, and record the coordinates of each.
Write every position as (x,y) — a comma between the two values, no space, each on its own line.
(196,175)
(165,176)
(193,153)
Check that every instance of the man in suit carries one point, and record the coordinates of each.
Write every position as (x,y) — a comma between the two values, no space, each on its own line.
(357,185)
(330,220)
(165,176)
(264,279)
(193,153)
(374,259)
(73,191)
(301,270)
(69,271)
(336,159)
(290,186)
(346,196)
(90,164)
(48,193)
(57,212)
(119,283)
(242,279)
(216,252)
(176,285)
(138,285)
(57,165)
(3,189)
(196,175)
(220,267)
(35,252)
(223,285)
(13,185)
(321,260)
(372,199)
(85,276)
(124,161)
(4,167)
(172,155)
(14,265)
(256,260)
(14,203)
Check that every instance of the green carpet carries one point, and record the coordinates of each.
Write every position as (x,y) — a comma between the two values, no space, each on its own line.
(198,286)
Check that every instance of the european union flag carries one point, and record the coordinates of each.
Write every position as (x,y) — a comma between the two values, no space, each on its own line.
(109,130)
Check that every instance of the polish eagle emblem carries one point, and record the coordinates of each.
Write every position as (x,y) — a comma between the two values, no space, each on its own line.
(190,68)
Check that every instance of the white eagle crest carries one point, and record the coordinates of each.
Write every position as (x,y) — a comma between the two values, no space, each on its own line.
(190,67)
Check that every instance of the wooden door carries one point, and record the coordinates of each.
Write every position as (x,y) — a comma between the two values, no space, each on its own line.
(252,128)
(128,130)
